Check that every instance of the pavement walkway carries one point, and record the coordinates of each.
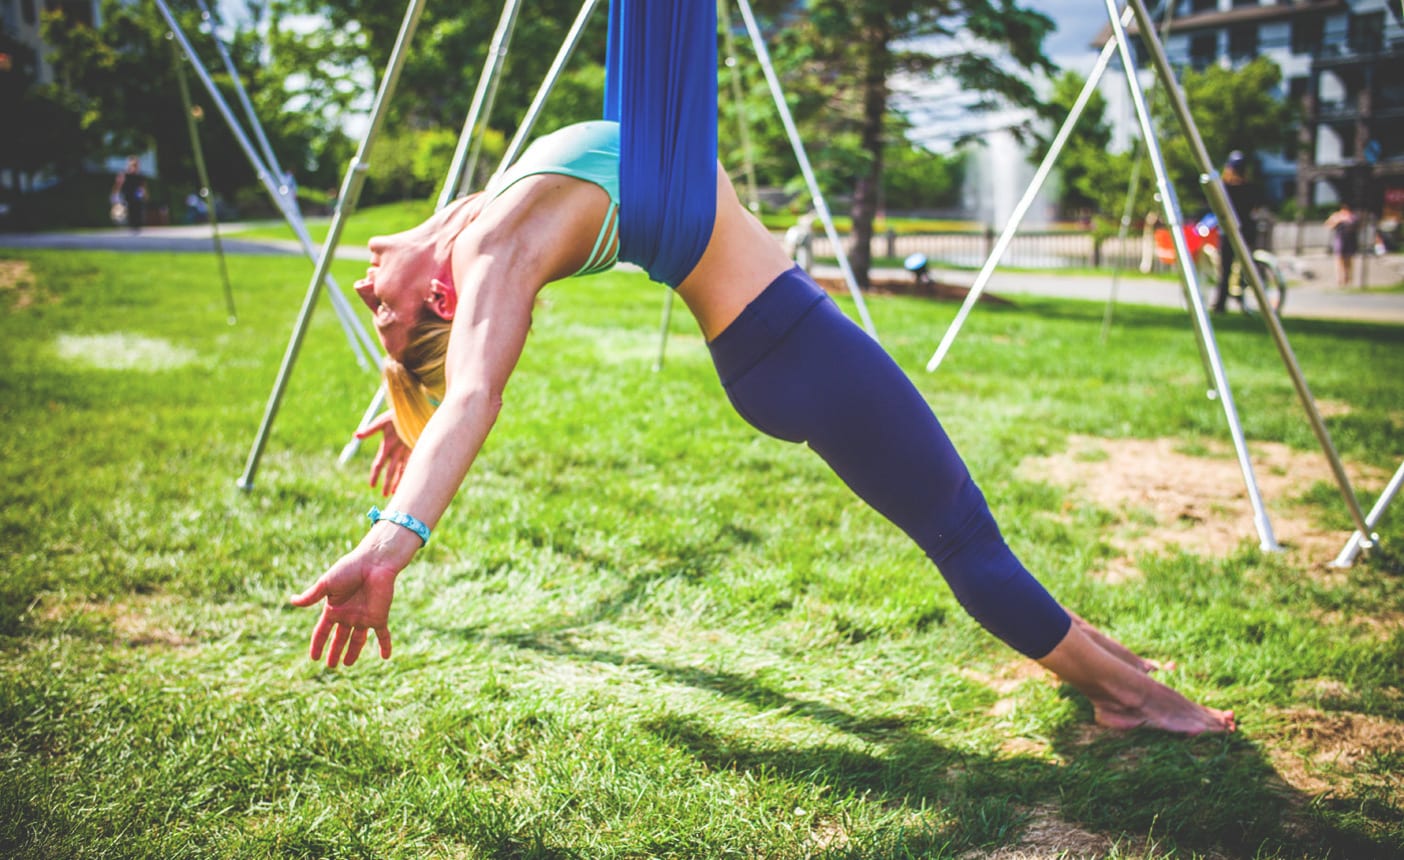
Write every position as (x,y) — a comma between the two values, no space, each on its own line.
(1311,293)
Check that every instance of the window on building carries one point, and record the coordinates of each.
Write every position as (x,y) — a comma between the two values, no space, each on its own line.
(1243,43)
(1237,4)
(1297,89)
(1197,6)
(1203,49)
(28,12)
(1306,34)
(1366,34)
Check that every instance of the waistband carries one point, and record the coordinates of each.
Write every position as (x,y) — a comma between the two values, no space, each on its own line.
(764,323)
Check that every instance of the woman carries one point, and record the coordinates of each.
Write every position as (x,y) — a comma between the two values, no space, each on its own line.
(1341,226)
(452,301)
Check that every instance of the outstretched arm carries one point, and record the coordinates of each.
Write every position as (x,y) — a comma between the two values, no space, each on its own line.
(489,330)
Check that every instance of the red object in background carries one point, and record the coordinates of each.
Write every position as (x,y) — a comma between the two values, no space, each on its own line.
(1197,237)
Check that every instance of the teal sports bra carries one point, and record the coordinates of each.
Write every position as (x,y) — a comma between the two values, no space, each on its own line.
(587,151)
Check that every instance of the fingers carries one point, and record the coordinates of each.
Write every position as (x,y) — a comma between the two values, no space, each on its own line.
(347,643)
(376,465)
(338,645)
(358,641)
(376,425)
(393,475)
(319,636)
(310,596)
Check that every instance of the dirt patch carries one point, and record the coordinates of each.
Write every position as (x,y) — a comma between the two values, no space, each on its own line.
(1046,837)
(135,623)
(1164,497)
(1324,753)
(18,285)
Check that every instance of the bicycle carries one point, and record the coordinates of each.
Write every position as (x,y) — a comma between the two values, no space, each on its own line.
(1202,239)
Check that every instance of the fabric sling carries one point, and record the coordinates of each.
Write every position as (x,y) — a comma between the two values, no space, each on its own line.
(661,87)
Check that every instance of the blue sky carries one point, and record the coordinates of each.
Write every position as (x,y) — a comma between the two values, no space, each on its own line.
(1078,22)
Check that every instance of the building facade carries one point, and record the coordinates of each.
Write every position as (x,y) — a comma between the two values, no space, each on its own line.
(1342,61)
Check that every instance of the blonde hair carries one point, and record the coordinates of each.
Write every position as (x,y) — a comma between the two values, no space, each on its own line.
(415,381)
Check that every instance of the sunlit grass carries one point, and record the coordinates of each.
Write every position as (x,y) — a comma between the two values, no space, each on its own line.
(642,630)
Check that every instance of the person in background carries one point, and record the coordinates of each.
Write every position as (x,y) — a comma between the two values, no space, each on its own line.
(130,186)
(1244,198)
(1343,228)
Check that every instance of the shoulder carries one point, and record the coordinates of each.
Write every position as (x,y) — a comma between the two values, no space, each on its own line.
(541,227)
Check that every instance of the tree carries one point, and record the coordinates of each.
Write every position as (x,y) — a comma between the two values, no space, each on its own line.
(856,46)
(1090,177)
(450,46)
(52,141)
(1234,109)
(121,77)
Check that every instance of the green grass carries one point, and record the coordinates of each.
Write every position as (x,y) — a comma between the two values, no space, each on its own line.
(642,630)
(358,229)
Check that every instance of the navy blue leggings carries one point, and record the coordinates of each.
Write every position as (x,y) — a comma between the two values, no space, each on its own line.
(798,369)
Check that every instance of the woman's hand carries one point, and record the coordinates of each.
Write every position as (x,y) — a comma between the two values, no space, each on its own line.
(392,456)
(358,590)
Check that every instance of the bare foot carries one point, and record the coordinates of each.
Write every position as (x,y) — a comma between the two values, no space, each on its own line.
(1164,709)
(1123,696)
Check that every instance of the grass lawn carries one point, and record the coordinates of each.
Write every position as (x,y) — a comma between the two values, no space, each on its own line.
(642,630)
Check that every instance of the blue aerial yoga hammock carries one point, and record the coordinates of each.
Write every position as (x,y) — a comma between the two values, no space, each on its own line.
(661,87)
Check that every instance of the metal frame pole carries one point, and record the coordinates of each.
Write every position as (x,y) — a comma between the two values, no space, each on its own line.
(268,154)
(465,155)
(1228,222)
(1171,204)
(458,174)
(203,172)
(360,340)
(346,202)
(524,128)
(1133,187)
(1021,209)
(763,55)
(1357,540)
(738,101)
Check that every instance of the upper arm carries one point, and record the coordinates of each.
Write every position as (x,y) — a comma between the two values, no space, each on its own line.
(490,325)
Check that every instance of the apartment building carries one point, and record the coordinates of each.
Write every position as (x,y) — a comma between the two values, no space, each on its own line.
(1341,60)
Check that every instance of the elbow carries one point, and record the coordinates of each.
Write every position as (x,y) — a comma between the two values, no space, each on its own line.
(484,401)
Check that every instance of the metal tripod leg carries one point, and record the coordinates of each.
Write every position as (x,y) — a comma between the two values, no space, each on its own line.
(1228,222)
(204,193)
(1209,348)
(1021,209)
(1358,540)
(359,339)
(465,155)
(346,202)
(758,41)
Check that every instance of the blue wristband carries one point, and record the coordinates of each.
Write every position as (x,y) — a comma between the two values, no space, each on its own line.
(400,518)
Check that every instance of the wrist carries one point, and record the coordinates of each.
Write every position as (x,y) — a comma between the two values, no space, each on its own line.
(407,521)
(390,544)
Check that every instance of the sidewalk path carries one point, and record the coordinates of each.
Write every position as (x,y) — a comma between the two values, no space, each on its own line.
(1311,293)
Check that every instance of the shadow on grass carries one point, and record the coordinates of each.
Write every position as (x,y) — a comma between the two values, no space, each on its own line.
(1209,793)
